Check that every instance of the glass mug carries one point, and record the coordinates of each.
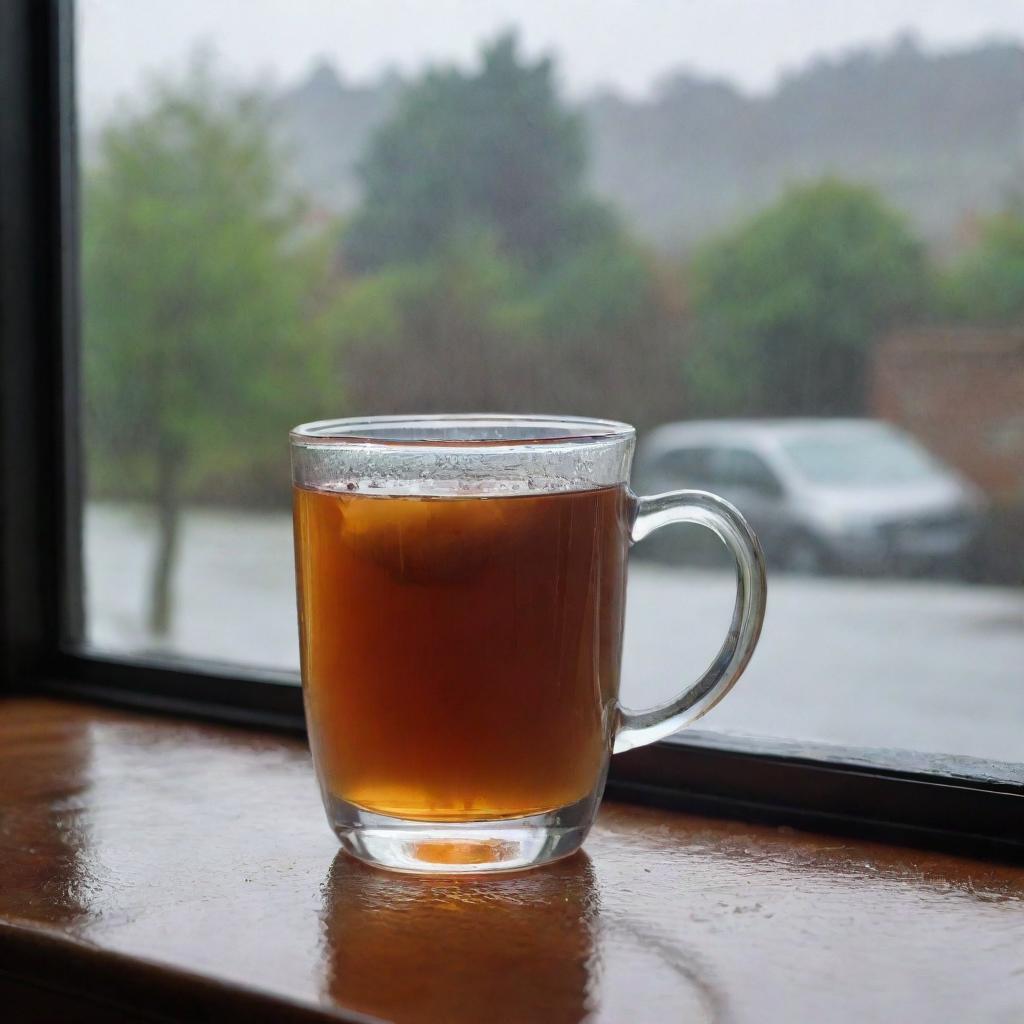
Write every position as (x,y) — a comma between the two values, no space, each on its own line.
(461,594)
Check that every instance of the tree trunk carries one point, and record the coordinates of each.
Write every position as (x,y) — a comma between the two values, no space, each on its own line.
(168,472)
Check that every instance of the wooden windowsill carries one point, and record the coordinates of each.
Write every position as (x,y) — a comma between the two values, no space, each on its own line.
(161,870)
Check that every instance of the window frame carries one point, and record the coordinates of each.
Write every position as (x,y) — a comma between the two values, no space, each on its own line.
(953,802)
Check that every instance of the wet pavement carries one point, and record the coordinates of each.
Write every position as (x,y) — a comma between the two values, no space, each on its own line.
(930,666)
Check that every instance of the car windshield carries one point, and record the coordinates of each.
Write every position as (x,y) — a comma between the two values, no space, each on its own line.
(860,458)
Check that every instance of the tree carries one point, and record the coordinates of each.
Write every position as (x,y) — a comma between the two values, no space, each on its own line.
(494,149)
(451,332)
(987,284)
(485,271)
(788,306)
(613,327)
(201,332)
(469,330)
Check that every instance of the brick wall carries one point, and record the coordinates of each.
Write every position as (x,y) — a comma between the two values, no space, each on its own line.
(961,393)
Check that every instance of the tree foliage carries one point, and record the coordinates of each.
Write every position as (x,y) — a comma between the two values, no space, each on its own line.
(486,276)
(436,334)
(788,305)
(492,148)
(203,333)
(986,285)
(469,330)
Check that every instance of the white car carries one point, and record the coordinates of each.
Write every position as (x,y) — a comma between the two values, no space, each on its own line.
(843,495)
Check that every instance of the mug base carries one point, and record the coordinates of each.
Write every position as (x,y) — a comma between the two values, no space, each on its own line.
(460,848)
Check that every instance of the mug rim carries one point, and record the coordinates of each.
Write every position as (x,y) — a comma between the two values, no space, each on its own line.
(387,431)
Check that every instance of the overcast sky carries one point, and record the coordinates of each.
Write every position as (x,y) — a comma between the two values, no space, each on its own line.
(627,44)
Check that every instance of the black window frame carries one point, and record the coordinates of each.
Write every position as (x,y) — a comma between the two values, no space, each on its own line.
(955,802)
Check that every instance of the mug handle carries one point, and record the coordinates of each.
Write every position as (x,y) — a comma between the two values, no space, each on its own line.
(637,728)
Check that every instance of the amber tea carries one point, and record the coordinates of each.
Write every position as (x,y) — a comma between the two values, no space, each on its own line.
(461,654)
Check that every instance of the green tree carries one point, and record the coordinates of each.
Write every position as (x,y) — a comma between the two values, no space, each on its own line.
(203,329)
(788,306)
(987,284)
(613,327)
(468,330)
(446,333)
(489,278)
(492,148)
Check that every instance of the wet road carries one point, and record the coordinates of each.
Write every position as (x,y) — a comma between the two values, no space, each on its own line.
(936,667)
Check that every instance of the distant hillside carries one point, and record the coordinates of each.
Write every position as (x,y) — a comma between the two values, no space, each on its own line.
(941,136)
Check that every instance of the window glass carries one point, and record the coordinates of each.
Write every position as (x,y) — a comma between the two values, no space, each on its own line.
(684,467)
(741,469)
(672,214)
(852,457)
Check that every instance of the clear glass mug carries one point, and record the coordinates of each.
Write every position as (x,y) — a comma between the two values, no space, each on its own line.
(461,592)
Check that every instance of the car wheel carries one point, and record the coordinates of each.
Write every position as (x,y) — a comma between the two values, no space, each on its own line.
(804,556)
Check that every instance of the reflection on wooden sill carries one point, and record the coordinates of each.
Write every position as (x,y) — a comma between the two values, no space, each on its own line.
(150,853)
